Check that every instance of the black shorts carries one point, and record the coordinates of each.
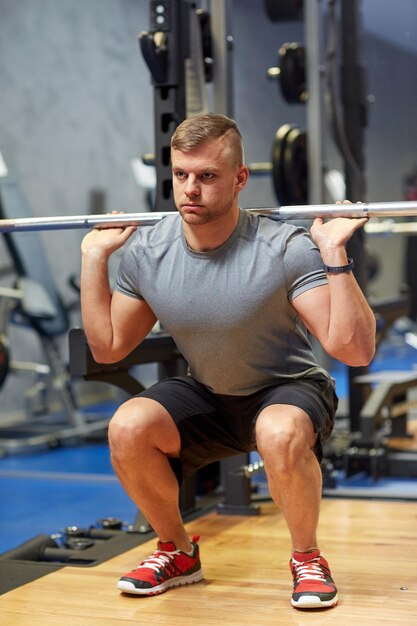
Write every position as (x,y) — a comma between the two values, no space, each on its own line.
(213,427)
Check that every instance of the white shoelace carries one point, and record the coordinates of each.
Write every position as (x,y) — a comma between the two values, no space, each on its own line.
(157,560)
(309,570)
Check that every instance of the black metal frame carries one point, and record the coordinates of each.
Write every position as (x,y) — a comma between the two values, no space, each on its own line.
(165,48)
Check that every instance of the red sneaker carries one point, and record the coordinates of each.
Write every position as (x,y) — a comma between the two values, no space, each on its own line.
(313,585)
(167,567)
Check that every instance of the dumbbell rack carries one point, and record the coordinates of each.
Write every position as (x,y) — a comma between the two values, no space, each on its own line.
(73,546)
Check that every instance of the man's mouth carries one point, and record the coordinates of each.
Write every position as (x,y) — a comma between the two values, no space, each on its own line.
(191,205)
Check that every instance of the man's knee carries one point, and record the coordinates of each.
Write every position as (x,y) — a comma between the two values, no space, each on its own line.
(284,434)
(142,422)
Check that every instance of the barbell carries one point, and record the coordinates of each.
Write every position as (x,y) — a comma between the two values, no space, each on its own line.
(284,213)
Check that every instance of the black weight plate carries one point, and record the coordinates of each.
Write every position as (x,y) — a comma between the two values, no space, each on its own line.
(74,531)
(292,76)
(284,10)
(79,543)
(295,167)
(110,523)
(278,178)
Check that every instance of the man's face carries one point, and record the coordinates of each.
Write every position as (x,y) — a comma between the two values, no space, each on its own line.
(206,182)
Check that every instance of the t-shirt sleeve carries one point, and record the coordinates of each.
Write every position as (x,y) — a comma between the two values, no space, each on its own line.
(303,264)
(127,279)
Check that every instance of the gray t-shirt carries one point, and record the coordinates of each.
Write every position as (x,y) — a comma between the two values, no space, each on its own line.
(229,310)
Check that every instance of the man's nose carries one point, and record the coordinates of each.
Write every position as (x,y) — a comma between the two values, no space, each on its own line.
(192,188)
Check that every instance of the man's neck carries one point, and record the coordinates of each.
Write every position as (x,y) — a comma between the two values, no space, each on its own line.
(206,237)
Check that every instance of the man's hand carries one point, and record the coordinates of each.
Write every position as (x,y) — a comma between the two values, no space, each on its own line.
(106,239)
(336,232)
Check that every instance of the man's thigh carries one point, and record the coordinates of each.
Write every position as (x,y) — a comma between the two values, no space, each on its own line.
(214,427)
(211,427)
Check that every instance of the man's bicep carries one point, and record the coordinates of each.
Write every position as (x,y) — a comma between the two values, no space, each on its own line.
(132,319)
(313,306)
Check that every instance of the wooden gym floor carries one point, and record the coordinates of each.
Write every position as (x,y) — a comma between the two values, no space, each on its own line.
(371,546)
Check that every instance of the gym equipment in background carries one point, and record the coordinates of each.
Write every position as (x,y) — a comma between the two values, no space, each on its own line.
(35,302)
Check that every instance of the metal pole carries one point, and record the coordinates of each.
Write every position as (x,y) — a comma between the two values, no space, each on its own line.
(313,39)
(354,121)
(302,212)
(222,38)
(354,101)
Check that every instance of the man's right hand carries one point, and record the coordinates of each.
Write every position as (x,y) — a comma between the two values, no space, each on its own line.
(106,240)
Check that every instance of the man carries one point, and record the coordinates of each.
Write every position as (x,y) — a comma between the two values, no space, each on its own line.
(238,294)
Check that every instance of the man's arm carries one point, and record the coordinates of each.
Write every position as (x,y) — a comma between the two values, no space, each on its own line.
(114,323)
(338,314)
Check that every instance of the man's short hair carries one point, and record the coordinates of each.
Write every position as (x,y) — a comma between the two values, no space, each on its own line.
(199,130)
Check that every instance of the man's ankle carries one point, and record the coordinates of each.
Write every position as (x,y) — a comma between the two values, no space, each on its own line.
(305,550)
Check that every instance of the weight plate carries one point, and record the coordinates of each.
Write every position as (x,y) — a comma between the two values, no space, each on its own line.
(79,543)
(278,178)
(284,10)
(110,523)
(74,531)
(295,168)
(292,75)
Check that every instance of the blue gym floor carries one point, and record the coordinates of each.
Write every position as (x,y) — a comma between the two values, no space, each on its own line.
(44,492)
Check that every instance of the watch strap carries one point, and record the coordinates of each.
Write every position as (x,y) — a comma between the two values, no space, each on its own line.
(339,269)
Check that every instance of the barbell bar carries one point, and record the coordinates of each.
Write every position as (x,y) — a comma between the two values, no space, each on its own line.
(284,213)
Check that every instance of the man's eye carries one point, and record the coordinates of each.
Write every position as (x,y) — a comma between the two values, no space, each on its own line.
(208,176)
(180,174)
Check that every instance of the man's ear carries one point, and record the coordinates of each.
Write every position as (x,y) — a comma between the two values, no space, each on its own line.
(242,177)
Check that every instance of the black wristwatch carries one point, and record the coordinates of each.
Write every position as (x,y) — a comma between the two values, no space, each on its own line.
(339,269)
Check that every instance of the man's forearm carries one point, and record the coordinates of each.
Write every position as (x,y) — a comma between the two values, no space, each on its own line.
(96,300)
(352,327)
